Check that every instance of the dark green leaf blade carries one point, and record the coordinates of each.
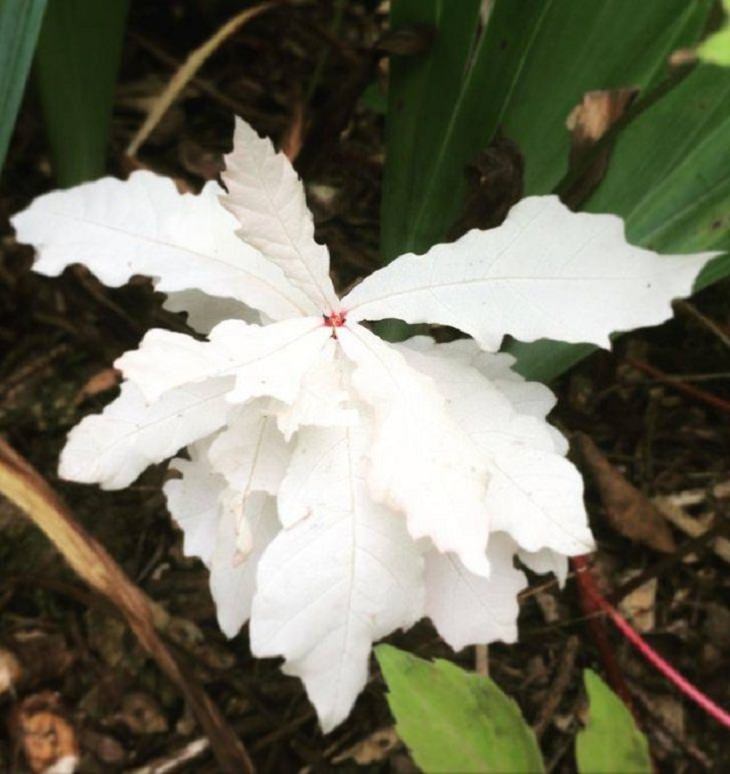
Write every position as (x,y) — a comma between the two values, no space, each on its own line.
(610,742)
(77,61)
(20,23)
(454,720)
(531,66)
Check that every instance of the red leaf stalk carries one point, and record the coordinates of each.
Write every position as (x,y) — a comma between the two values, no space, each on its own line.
(589,589)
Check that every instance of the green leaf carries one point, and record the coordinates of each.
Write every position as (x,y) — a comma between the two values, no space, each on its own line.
(76,63)
(531,66)
(20,23)
(669,178)
(454,720)
(716,49)
(610,742)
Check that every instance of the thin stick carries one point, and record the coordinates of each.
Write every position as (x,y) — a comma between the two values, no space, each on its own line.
(680,386)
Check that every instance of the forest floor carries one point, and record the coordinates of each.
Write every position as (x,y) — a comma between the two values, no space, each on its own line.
(298,80)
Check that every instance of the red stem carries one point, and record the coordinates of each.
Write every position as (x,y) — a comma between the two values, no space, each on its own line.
(588,586)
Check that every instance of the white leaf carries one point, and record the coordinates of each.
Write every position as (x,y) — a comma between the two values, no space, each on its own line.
(337,580)
(468,609)
(233,577)
(193,501)
(267,197)
(546,272)
(545,561)
(201,505)
(525,397)
(205,312)
(534,493)
(422,463)
(269,360)
(144,226)
(251,452)
(322,400)
(114,447)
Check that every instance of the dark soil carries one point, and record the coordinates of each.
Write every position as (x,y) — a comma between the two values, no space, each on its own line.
(56,334)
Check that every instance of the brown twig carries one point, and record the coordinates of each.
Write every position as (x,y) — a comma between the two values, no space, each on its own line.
(24,487)
(559,686)
(680,386)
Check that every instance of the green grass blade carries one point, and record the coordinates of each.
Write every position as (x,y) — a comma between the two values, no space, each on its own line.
(77,61)
(610,742)
(454,720)
(20,23)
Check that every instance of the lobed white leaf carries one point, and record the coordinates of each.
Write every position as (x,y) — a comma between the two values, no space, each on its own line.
(421,461)
(144,226)
(250,453)
(114,447)
(546,272)
(469,609)
(337,580)
(267,197)
(269,360)
(534,493)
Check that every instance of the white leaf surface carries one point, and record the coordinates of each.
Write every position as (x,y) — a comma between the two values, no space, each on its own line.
(269,360)
(534,493)
(532,398)
(193,501)
(204,312)
(250,453)
(337,580)
(267,197)
(203,508)
(144,226)
(233,576)
(323,398)
(546,272)
(546,561)
(467,609)
(421,461)
(114,447)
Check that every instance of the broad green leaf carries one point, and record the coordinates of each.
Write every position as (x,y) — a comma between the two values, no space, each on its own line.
(669,178)
(78,55)
(610,742)
(529,68)
(424,95)
(453,720)
(20,23)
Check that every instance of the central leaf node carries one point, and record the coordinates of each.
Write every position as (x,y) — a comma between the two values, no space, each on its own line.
(335,320)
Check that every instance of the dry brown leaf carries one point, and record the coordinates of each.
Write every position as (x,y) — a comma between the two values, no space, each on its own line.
(374,748)
(588,122)
(101,381)
(47,739)
(22,485)
(597,112)
(188,70)
(693,526)
(628,511)
(638,606)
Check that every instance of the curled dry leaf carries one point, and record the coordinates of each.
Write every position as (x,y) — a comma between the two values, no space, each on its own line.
(47,738)
(628,511)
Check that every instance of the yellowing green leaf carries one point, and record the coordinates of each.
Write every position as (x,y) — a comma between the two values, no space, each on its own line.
(610,742)
(453,720)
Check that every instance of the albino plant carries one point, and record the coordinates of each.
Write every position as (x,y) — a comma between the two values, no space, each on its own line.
(337,486)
